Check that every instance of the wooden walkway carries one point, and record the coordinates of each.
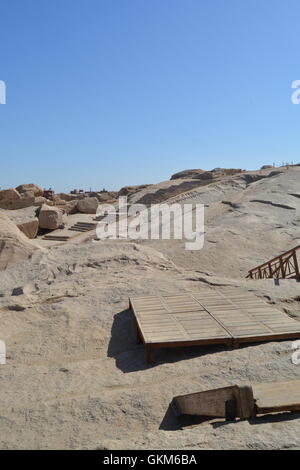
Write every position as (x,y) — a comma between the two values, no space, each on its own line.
(225,316)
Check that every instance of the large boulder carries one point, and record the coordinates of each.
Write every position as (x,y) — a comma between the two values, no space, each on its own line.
(27,194)
(58,202)
(88,205)
(30,188)
(14,245)
(26,220)
(50,217)
(71,207)
(12,199)
(40,200)
(9,195)
(29,227)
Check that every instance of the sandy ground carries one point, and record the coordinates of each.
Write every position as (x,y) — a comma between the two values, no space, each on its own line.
(75,376)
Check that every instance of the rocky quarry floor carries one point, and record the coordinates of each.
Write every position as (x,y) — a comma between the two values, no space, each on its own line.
(75,377)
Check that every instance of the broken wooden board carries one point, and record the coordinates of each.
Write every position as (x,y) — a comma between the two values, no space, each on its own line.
(277,396)
(244,402)
(224,316)
(227,402)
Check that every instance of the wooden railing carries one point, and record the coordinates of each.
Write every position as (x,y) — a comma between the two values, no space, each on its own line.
(284,266)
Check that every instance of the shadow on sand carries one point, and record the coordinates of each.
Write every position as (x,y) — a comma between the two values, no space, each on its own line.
(123,345)
(171,422)
(263,419)
(130,355)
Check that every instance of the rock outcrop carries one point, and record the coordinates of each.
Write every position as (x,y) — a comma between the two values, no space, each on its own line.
(206,175)
(129,190)
(187,174)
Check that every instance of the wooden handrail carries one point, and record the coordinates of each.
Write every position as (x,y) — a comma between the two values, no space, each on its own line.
(281,259)
(276,258)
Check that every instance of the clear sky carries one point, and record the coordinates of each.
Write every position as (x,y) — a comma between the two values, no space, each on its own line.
(108,93)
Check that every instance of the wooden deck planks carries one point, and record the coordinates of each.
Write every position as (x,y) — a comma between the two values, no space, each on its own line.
(227,316)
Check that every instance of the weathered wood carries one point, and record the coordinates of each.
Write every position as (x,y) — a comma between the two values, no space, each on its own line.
(246,402)
(228,402)
(206,403)
(241,401)
(149,355)
(296,265)
(283,266)
(277,396)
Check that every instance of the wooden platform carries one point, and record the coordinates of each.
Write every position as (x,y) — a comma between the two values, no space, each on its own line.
(225,316)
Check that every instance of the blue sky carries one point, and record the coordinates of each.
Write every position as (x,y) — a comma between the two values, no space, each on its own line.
(108,93)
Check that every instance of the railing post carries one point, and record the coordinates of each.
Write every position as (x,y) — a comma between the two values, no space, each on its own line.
(270,269)
(259,273)
(296,265)
(282,267)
